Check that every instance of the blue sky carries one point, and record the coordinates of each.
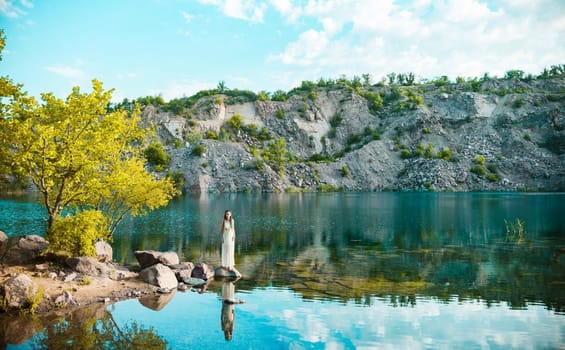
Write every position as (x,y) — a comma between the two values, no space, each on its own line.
(176,48)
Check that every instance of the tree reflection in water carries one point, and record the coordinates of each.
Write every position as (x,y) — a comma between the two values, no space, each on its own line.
(99,331)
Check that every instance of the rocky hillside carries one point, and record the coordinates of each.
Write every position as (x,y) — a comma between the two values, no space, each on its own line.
(497,135)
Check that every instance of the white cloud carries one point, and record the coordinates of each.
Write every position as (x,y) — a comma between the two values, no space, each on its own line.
(247,10)
(187,16)
(8,9)
(26,3)
(429,38)
(67,71)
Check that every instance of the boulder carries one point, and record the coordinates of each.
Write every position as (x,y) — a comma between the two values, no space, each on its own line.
(103,250)
(222,272)
(25,250)
(17,290)
(148,258)
(182,270)
(159,275)
(3,243)
(203,271)
(87,265)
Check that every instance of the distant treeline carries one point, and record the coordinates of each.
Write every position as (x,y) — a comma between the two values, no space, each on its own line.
(236,96)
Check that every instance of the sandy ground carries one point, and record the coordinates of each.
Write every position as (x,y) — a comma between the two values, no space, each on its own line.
(96,290)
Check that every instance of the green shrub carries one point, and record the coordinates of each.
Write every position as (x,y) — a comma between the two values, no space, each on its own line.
(235,122)
(405,154)
(335,120)
(199,150)
(445,154)
(177,143)
(426,131)
(527,137)
(344,171)
(493,168)
(156,155)
(493,177)
(480,159)
(280,113)
(518,103)
(210,135)
(76,234)
(479,170)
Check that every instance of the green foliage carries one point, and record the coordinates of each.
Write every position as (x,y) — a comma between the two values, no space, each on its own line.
(515,231)
(514,74)
(76,234)
(199,150)
(193,136)
(277,155)
(444,154)
(177,178)
(353,139)
(279,95)
(156,156)
(426,131)
(429,152)
(527,137)
(263,96)
(32,302)
(345,171)
(177,143)
(519,102)
(480,159)
(335,120)
(280,113)
(313,95)
(235,122)
(210,135)
(441,81)
(479,170)
(493,177)
(329,188)
(405,154)
(78,154)
(375,101)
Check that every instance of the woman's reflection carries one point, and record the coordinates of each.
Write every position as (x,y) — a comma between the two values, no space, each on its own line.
(228,309)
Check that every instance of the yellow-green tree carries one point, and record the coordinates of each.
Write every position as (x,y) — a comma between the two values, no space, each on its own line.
(81,157)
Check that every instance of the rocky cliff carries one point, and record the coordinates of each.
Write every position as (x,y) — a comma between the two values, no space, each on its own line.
(499,135)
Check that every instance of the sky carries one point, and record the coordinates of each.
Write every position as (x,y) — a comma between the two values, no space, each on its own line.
(175,48)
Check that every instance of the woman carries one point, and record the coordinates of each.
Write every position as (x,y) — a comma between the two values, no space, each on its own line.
(228,241)
(228,309)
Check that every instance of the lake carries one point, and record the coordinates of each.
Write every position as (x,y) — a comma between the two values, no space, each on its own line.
(339,271)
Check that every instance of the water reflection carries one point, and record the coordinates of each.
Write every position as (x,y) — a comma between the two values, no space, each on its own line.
(367,270)
(228,309)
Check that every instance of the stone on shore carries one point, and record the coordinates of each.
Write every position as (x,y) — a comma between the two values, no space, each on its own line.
(203,271)
(3,243)
(16,291)
(104,250)
(159,275)
(25,250)
(182,270)
(148,258)
(87,265)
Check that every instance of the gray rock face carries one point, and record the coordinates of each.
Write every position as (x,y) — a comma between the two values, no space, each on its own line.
(25,250)
(148,258)
(517,125)
(103,251)
(17,290)
(159,275)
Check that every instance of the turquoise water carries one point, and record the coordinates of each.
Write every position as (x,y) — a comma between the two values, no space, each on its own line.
(347,270)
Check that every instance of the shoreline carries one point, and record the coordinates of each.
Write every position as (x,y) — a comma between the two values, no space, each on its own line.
(98,290)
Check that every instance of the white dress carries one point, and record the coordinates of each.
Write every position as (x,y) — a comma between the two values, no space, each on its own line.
(228,245)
